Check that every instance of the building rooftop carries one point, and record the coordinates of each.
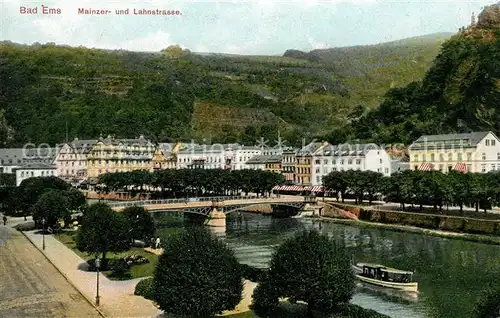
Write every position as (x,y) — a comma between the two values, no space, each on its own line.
(346,150)
(450,140)
(141,141)
(309,149)
(36,166)
(263,159)
(20,156)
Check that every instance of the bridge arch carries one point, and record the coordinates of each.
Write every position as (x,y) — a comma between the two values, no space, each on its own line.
(231,209)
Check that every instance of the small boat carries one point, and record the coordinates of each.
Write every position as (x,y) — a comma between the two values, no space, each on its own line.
(383,276)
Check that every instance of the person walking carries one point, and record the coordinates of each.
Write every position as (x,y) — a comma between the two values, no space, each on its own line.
(4,220)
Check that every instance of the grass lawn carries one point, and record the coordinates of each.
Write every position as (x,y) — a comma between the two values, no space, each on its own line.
(136,271)
(247,314)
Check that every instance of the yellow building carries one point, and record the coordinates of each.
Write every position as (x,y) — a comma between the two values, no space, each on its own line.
(119,155)
(467,152)
(303,166)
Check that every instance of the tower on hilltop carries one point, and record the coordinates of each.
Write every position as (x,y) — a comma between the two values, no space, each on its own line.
(473,19)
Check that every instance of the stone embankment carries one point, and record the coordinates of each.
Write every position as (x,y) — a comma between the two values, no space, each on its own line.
(483,230)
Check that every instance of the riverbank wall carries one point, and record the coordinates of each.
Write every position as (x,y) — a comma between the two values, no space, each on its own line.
(427,221)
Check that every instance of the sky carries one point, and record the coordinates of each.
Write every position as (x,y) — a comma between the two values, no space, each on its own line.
(254,27)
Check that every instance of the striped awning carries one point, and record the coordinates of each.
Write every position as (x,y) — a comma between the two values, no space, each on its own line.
(461,167)
(426,166)
(307,188)
(318,189)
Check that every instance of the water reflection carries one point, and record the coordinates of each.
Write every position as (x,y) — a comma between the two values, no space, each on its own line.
(450,273)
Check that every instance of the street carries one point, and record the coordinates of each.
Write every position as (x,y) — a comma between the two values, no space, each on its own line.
(30,286)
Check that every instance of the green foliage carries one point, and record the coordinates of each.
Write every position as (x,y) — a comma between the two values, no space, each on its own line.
(488,305)
(51,206)
(102,230)
(31,189)
(253,274)
(95,91)
(197,275)
(140,222)
(195,182)
(7,180)
(145,289)
(76,198)
(459,93)
(309,267)
(420,187)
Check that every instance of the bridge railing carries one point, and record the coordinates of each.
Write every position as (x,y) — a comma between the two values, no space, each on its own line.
(183,200)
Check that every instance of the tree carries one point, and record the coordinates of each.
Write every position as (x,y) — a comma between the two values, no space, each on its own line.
(103,231)
(140,222)
(51,206)
(197,275)
(336,181)
(488,305)
(31,189)
(76,199)
(322,277)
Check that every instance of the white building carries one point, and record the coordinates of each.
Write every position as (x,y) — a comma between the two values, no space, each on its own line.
(242,154)
(468,152)
(13,158)
(345,157)
(71,160)
(34,170)
(202,157)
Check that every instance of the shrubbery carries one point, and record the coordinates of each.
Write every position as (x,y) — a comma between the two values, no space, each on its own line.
(253,274)
(309,267)
(197,275)
(488,305)
(144,288)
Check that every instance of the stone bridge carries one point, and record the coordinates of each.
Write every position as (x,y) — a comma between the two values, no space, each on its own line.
(215,208)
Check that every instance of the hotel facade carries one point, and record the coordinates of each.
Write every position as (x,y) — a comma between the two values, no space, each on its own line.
(468,152)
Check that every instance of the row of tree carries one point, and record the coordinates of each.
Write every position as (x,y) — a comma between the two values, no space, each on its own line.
(193,182)
(479,190)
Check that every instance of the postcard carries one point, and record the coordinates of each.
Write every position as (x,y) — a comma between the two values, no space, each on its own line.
(250,158)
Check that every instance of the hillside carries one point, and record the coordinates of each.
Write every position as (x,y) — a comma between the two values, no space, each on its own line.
(177,94)
(459,93)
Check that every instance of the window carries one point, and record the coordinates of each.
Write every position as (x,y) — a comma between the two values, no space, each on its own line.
(441,167)
(358,161)
(317,170)
(380,161)
(386,170)
(334,162)
(317,161)
(492,166)
(483,156)
(498,156)
(378,170)
(342,161)
(349,161)
(459,156)
(450,156)
(483,168)
(415,158)
(432,157)
(487,142)
(325,161)
(424,157)
(469,156)
(493,141)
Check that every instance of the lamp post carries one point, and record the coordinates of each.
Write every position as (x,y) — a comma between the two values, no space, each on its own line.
(97,265)
(43,233)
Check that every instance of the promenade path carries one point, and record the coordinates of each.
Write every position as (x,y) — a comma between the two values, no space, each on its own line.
(117,298)
(30,286)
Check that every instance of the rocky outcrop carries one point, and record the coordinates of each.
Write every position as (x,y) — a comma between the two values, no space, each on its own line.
(489,18)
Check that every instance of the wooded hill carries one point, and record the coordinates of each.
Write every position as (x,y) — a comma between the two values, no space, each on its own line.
(459,93)
(48,91)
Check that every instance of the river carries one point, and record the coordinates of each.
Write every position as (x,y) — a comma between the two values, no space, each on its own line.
(451,273)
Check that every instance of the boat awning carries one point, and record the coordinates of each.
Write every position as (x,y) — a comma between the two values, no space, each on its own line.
(396,271)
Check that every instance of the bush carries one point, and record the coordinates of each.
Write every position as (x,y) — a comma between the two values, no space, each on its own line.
(488,305)
(312,268)
(120,269)
(197,275)
(354,311)
(253,274)
(29,226)
(144,288)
